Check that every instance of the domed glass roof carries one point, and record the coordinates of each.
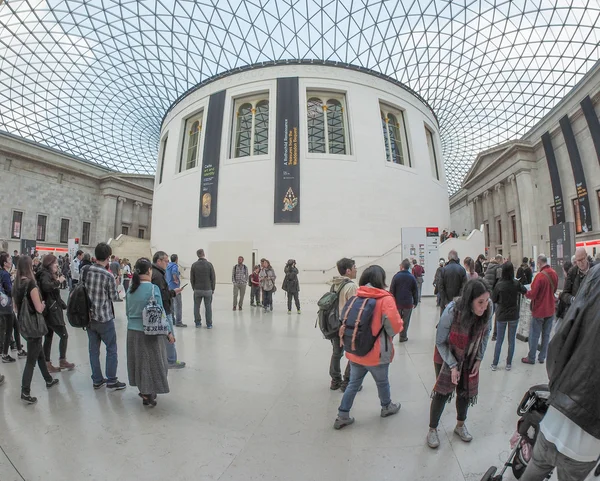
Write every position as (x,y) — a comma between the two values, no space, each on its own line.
(94,78)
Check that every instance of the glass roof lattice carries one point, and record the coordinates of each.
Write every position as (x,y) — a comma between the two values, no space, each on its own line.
(94,78)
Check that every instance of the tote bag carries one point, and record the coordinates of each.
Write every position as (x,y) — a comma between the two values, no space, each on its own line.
(31,322)
(154,318)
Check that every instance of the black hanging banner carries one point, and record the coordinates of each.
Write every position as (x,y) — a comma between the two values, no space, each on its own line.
(578,174)
(211,159)
(554,178)
(593,123)
(287,155)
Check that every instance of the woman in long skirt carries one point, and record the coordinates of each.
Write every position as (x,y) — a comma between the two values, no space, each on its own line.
(147,364)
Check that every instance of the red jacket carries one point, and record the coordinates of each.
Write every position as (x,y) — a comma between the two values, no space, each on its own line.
(542,293)
(385,313)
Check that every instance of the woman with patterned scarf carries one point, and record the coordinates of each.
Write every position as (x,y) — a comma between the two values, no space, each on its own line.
(461,340)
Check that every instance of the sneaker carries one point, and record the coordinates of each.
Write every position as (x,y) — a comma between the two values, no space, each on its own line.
(342,422)
(494,367)
(335,385)
(8,358)
(252,304)
(526,360)
(508,367)
(240,308)
(177,365)
(289,313)
(198,325)
(433,440)
(390,410)
(22,353)
(54,382)
(403,339)
(234,308)
(209,327)
(299,311)
(541,362)
(271,307)
(28,399)
(181,324)
(99,384)
(52,369)
(462,433)
(117,386)
(64,364)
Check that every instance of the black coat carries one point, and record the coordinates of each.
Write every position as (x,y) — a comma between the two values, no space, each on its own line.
(202,276)
(507,294)
(49,288)
(525,274)
(290,283)
(574,357)
(452,280)
(159,279)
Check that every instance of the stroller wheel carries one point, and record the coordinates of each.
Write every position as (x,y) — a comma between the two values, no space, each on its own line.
(489,474)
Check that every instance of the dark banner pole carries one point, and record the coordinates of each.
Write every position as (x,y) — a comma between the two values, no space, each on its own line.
(593,123)
(578,173)
(211,159)
(554,178)
(287,155)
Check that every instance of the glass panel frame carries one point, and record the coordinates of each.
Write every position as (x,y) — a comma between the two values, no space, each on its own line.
(64,231)
(85,233)
(16,229)
(40,232)
(315,114)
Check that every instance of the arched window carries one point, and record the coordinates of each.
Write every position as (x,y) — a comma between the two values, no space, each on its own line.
(394,136)
(190,152)
(326,113)
(252,127)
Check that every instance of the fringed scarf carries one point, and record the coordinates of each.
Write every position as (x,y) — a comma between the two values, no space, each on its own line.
(464,345)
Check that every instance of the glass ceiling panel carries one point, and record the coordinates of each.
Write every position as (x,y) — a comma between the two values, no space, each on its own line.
(94,78)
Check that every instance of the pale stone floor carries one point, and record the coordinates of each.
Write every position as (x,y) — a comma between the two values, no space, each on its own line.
(254,404)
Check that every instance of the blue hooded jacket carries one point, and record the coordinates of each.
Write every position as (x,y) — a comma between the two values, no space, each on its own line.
(173,269)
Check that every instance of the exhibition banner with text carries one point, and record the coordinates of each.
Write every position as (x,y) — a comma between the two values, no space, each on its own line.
(287,155)
(554,178)
(211,159)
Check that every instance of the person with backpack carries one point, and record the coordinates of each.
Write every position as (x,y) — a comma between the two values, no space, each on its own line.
(27,296)
(419,274)
(370,320)
(101,289)
(147,362)
(239,279)
(267,283)
(461,340)
(330,307)
(524,273)
(291,285)
(49,282)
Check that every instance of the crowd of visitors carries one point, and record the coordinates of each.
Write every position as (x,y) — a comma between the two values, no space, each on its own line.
(360,321)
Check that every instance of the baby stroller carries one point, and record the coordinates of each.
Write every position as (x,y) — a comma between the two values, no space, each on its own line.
(531,411)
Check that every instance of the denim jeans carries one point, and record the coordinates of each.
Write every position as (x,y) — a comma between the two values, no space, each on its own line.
(512,338)
(199,296)
(35,353)
(103,332)
(171,350)
(420,286)
(357,374)
(177,308)
(546,457)
(267,299)
(539,326)
(405,314)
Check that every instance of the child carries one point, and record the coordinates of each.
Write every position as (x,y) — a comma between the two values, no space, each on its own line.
(255,287)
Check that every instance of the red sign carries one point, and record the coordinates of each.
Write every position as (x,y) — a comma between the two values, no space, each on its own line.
(432,231)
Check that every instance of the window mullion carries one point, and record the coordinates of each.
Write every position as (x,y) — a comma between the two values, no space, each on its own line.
(389,139)
(252,129)
(325,128)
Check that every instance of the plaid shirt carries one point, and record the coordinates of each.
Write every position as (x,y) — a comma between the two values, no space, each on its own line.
(239,275)
(102,290)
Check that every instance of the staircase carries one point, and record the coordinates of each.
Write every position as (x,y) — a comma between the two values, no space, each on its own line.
(132,248)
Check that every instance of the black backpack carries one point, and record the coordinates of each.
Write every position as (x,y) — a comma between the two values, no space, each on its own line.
(328,316)
(79,305)
(356,330)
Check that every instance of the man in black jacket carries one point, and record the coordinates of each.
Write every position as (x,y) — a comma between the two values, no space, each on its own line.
(160,261)
(575,277)
(203,281)
(524,273)
(569,437)
(453,277)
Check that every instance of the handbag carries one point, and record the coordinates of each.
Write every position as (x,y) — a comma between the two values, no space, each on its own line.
(154,318)
(5,304)
(31,322)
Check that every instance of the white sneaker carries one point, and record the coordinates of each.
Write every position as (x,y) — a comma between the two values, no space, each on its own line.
(433,440)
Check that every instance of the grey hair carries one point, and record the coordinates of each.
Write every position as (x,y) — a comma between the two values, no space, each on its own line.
(453,255)
(499,257)
(542,258)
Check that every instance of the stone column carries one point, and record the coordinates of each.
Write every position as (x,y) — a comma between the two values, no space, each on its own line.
(501,196)
(473,216)
(493,229)
(135,221)
(106,223)
(486,219)
(514,192)
(476,218)
(149,229)
(524,187)
(119,217)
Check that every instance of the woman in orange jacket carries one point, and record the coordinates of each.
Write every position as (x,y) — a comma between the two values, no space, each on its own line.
(387,323)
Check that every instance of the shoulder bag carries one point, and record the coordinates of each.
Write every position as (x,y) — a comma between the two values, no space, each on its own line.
(31,323)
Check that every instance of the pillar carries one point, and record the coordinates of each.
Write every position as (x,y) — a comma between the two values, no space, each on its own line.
(473,217)
(135,221)
(119,216)
(106,224)
(486,219)
(503,211)
(514,192)
(524,184)
(149,222)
